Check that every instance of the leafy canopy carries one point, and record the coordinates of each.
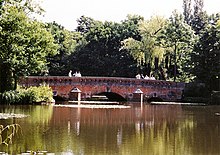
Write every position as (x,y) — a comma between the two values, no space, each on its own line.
(25,43)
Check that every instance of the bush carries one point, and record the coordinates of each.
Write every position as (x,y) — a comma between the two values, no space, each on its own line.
(196,90)
(41,94)
(29,95)
(9,97)
(26,96)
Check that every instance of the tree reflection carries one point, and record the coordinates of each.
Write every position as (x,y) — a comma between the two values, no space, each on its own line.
(33,127)
(164,129)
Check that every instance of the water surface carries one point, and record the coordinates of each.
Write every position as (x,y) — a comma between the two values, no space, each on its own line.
(151,130)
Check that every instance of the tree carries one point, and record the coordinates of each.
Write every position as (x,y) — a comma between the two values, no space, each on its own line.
(25,44)
(179,38)
(218,24)
(1,2)
(100,55)
(187,11)
(199,17)
(84,24)
(206,56)
(147,50)
(130,27)
(67,42)
(196,17)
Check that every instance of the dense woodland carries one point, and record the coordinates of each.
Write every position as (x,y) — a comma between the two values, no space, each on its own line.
(184,47)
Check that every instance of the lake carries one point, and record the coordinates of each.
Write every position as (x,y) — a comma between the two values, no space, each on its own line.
(150,130)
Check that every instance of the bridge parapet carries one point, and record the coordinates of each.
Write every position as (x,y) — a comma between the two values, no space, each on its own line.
(65,80)
(92,85)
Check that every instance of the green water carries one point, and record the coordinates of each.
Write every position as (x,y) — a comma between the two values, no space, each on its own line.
(151,130)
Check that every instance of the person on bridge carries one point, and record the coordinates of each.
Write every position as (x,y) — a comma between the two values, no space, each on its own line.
(152,78)
(138,76)
(146,77)
(77,74)
(70,73)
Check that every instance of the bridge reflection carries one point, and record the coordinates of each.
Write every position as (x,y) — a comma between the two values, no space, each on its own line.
(149,115)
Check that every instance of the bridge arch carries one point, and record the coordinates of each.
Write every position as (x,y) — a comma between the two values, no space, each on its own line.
(113,96)
(155,99)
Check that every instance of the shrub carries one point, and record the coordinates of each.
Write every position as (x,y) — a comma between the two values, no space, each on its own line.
(29,95)
(26,96)
(196,90)
(41,94)
(9,97)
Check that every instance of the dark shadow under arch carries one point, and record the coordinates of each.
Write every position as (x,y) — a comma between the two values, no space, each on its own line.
(113,96)
(155,99)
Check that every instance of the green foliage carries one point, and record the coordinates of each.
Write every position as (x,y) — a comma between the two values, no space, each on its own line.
(205,62)
(84,24)
(67,43)
(179,39)
(42,93)
(136,50)
(25,43)
(148,49)
(187,11)
(194,15)
(9,97)
(205,57)
(199,17)
(99,54)
(29,95)
(218,24)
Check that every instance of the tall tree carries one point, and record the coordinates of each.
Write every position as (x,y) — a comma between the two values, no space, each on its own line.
(194,15)
(84,24)
(199,17)
(179,37)
(187,11)
(25,43)
(100,54)
(147,51)
(206,56)
(67,42)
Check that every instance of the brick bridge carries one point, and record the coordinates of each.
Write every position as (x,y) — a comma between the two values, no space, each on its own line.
(114,88)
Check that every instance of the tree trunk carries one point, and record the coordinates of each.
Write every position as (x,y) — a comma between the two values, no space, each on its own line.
(175,62)
(15,81)
(6,79)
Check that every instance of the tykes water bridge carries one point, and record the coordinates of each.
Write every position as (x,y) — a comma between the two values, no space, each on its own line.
(114,88)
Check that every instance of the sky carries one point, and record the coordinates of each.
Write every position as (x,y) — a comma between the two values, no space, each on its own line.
(66,12)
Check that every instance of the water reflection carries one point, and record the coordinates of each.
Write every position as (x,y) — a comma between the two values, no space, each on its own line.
(152,129)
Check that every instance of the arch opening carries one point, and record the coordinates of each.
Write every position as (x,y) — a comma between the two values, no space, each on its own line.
(155,99)
(113,96)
